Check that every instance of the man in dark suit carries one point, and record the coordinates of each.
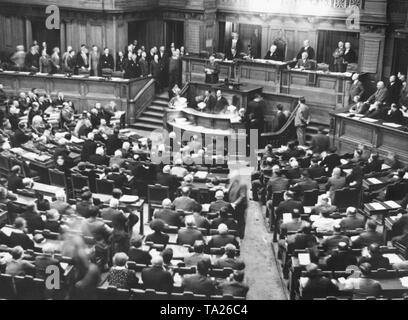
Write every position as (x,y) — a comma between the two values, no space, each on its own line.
(320,142)
(374,164)
(224,218)
(14,180)
(217,205)
(18,236)
(317,285)
(156,277)
(200,283)
(84,204)
(255,113)
(230,260)
(369,236)
(169,216)
(394,115)
(221,103)
(113,142)
(304,62)
(375,258)
(316,171)
(20,137)
(99,158)
(82,59)
(331,242)
(341,258)
(89,147)
(190,234)
(273,54)
(106,60)
(234,43)
(356,88)
(137,254)
(351,221)
(132,69)
(165,178)
(212,70)
(350,55)
(234,285)
(394,90)
(222,238)
(280,119)
(331,160)
(209,101)
(32,60)
(305,183)
(33,219)
(277,182)
(306,48)
(255,44)
(232,55)
(288,205)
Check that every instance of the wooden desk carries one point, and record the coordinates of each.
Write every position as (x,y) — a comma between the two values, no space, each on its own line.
(350,132)
(83,91)
(324,92)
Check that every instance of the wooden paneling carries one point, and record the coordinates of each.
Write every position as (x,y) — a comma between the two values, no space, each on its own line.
(12,33)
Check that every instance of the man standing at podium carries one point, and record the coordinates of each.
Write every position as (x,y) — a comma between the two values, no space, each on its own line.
(302,120)
(212,69)
(306,48)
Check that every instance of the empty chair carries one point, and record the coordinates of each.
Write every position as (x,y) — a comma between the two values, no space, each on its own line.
(57,178)
(104,186)
(310,198)
(78,182)
(155,195)
(346,197)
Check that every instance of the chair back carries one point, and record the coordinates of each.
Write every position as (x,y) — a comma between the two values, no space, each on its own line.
(396,191)
(4,166)
(104,186)
(29,288)
(78,182)
(112,293)
(7,289)
(310,198)
(346,197)
(57,178)
(157,193)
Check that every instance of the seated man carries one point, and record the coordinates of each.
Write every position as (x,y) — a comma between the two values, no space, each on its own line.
(324,223)
(316,171)
(229,260)
(136,253)
(351,222)
(225,218)
(119,275)
(369,236)
(18,236)
(178,170)
(317,286)
(158,236)
(165,178)
(332,242)
(234,285)
(99,157)
(320,142)
(15,181)
(304,63)
(200,283)
(295,225)
(198,255)
(363,286)
(156,277)
(375,258)
(184,202)
(117,177)
(219,203)
(341,258)
(169,216)
(18,266)
(190,234)
(222,238)
(380,96)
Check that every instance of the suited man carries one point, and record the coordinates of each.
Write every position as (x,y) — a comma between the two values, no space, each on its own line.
(302,120)
(304,63)
(255,113)
(338,57)
(331,160)
(277,182)
(374,164)
(56,61)
(375,258)
(132,69)
(222,238)
(356,88)
(234,285)
(89,147)
(381,95)
(106,60)
(333,241)
(14,180)
(121,62)
(18,237)
(32,60)
(371,235)
(316,171)
(232,55)
(273,54)
(212,70)
(144,65)
(229,260)
(94,59)
(82,59)
(394,115)
(305,183)
(320,142)
(394,90)
(221,103)
(156,277)
(210,101)
(224,219)
(351,221)
(190,234)
(341,258)
(288,205)
(349,55)
(165,178)
(169,216)
(234,43)
(306,49)
(200,283)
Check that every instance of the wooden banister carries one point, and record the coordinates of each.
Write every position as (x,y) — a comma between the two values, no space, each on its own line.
(143,100)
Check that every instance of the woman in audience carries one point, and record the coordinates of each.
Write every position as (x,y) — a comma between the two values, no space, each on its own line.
(157,236)
(119,275)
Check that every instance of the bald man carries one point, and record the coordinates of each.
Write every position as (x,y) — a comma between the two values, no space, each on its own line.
(381,95)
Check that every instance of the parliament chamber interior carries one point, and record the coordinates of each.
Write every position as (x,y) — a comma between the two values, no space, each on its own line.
(204,150)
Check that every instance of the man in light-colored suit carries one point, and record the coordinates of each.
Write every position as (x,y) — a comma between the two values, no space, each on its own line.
(94,57)
(302,120)
(381,95)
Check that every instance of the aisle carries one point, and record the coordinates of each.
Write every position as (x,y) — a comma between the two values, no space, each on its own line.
(261,271)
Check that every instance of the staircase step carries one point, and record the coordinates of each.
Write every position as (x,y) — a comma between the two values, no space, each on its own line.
(156,108)
(146,126)
(160,102)
(149,119)
(153,113)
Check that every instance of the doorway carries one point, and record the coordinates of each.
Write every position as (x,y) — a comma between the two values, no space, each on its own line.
(175,33)
(400,57)
(41,34)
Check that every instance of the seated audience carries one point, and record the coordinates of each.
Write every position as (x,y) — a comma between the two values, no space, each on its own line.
(190,234)
(119,275)
(200,283)
(155,277)
(234,285)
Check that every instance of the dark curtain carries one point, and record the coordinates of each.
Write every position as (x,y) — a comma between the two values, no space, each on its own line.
(328,41)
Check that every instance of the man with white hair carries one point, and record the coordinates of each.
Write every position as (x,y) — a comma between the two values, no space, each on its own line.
(212,70)
(356,88)
(165,178)
(117,159)
(306,49)
(223,238)
(188,181)
(351,221)
(61,204)
(273,54)
(219,203)
(44,260)
(229,259)
(156,277)
(168,215)
(381,95)
(89,147)
(178,170)
(190,234)
(99,158)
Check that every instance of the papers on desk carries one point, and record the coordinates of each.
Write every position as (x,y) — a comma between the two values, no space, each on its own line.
(404,282)
(343,161)
(128,198)
(394,258)
(201,174)
(7,231)
(206,207)
(342,114)
(347,171)
(307,210)
(374,181)
(304,259)
(95,78)
(392,204)
(24,73)
(78,76)
(9,72)
(303,281)
(385,167)
(59,75)
(354,238)
(314,217)
(41,74)
(377,206)
(76,140)
(392,125)
(287,217)
(369,120)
